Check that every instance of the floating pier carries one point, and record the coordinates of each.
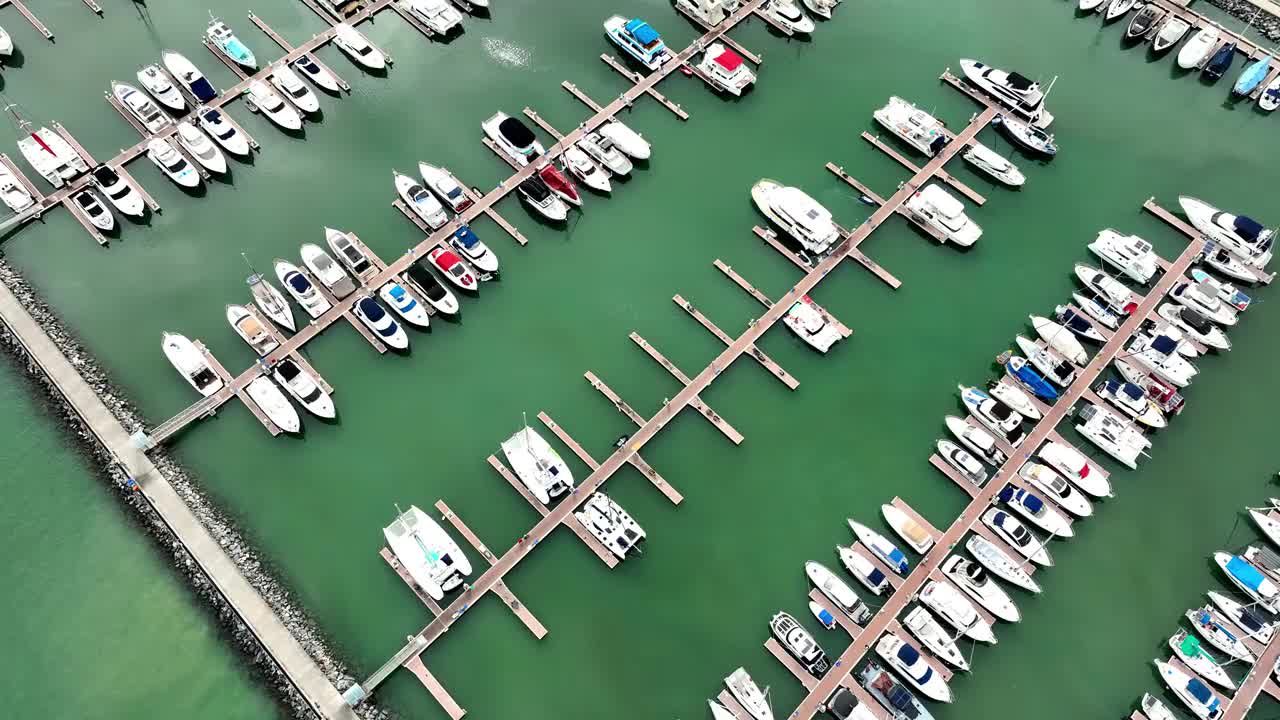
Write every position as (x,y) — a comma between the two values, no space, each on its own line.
(765,361)
(31,17)
(737,47)
(645,469)
(608,558)
(760,297)
(790,663)
(547,127)
(711,415)
(582,97)
(974,196)
(433,686)
(400,570)
(636,77)
(844,621)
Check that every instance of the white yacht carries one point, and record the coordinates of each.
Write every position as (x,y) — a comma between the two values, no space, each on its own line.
(881,547)
(417,199)
(1129,254)
(49,153)
(788,14)
(1227,263)
(1060,339)
(274,106)
(799,644)
(1159,355)
(610,524)
(579,164)
(627,140)
(802,217)
(1114,293)
(1036,511)
(811,326)
(1202,298)
(270,301)
(329,273)
(222,38)
(200,147)
(1075,468)
(1251,581)
(467,243)
(822,8)
(903,657)
(956,610)
(1014,397)
(1267,524)
(304,388)
(288,83)
(89,204)
(837,591)
(976,439)
(385,327)
(318,75)
(251,330)
(301,288)
(1193,693)
(513,138)
(438,15)
(267,396)
(864,570)
(912,125)
(1013,532)
(157,83)
(1240,234)
(1188,649)
(747,693)
(964,463)
(1198,49)
(998,417)
(994,165)
(190,362)
(428,554)
(726,69)
(346,251)
(18,198)
(357,47)
(406,305)
(1132,400)
(185,72)
(1016,92)
(6,43)
(925,628)
(602,150)
(1048,481)
(537,464)
(976,582)
(711,12)
(937,209)
(166,157)
(140,107)
(222,131)
(446,187)
(1098,310)
(638,40)
(1169,33)
(999,563)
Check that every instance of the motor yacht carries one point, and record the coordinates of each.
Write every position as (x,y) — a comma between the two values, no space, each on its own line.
(1001,419)
(1196,51)
(1205,301)
(638,40)
(800,644)
(1117,9)
(1188,649)
(1049,482)
(427,553)
(1110,291)
(166,157)
(305,388)
(185,72)
(48,152)
(892,696)
(270,301)
(925,628)
(1013,532)
(579,164)
(6,44)
(1238,233)
(1100,311)
(748,694)
(291,86)
(199,146)
(1250,580)
(467,243)
(610,524)
(1129,254)
(251,330)
(1013,90)
(994,165)
(274,106)
(1227,263)
(964,463)
(297,285)
(799,215)
(371,313)
(1145,21)
(136,103)
(602,150)
(329,273)
(446,187)
(1036,511)
(627,140)
(1225,291)
(1131,400)
(438,15)
(912,125)
(904,658)
(1027,136)
(357,47)
(1059,339)
(822,8)
(811,326)
(318,75)
(223,131)
(1164,394)
(840,594)
(346,251)
(978,441)
(189,360)
(1022,371)
(1170,33)
(537,464)
(405,304)
(1159,354)
(1193,693)
(911,532)
(430,289)
(273,403)
(936,209)
(92,208)
(228,44)
(15,194)
(1078,324)
(1269,98)
(977,583)
(999,563)
(956,610)
(155,82)
(537,195)
(513,138)
(1267,524)
(789,15)
(864,570)
(1015,398)
(726,70)
(879,545)
(417,199)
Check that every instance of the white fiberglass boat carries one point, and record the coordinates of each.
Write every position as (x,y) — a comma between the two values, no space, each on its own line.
(1100,311)
(185,72)
(1225,291)
(1188,649)
(638,40)
(903,657)
(438,15)
(1208,627)
(270,301)
(446,187)
(89,204)
(604,151)
(1037,511)
(1228,264)
(1267,524)
(1092,5)
(1110,291)
(1117,8)
(610,524)
(726,69)
(793,210)
(1251,581)
(405,304)
(288,83)
(267,396)
(304,388)
(226,41)
(157,83)
(925,628)
(1013,532)
(956,610)
(1060,339)
(430,289)
(251,330)
(630,142)
(357,47)
(200,147)
(1076,469)
(324,269)
(939,210)
(976,582)
(1154,709)
(166,157)
(799,644)
(1191,691)
(994,165)
(140,107)
(1053,486)
(1197,50)
(1159,355)
(1015,398)
(1246,618)
(906,528)
(837,591)
(1001,419)
(964,463)
(1130,254)
(1204,300)
(1240,234)
(811,326)
(999,563)
(6,43)
(788,14)
(190,362)
(579,164)
(431,557)
(748,694)
(297,285)
(1016,92)
(1131,399)
(1170,33)
(467,243)
(977,440)
(880,546)
(513,138)
(535,192)
(345,249)
(274,106)
(537,464)
(864,570)
(417,199)
(376,318)
(222,131)
(16,196)
(1078,324)
(452,267)
(49,153)
(912,125)
(1050,364)
(317,74)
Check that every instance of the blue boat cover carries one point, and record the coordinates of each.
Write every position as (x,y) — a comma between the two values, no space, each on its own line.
(1199,691)
(642,31)
(1006,494)
(1248,228)
(1164,344)
(298,282)
(1247,574)
(875,576)
(826,618)
(203,90)
(908,654)
(1133,391)
(466,236)
(898,559)
(1032,503)
(371,309)
(1036,383)
(397,292)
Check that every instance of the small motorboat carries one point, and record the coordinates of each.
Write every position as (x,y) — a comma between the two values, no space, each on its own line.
(956,610)
(559,184)
(1013,532)
(579,164)
(271,302)
(136,103)
(1252,76)
(1162,393)
(437,295)
(190,362)
(417,199)
(226,41)
(1046,480)
(864,570)
(1220,63)
(513,138)
(185,72)
(166,157)
(1014,398)
(1217,634)
(976,582)
(452,267)
(748,694)
(891,694)
(200,147)
(1077,323)
(999,563)
(799,644)
(118,192)
(1191,691)
(438,15)
(788,14)
(274,106)
(1251,581)
(915,535)
(1028,137)
(1001,419)
(89,204)
(903,657)
(267,396)
(536,193)
(1110,291)
(1117,9)
(978,441)
(726,69)
(1195,326)
(994,165)
(942,213)
(1196,51)
(1131,400)
(1170,33)
(1059,339)
(357,47)
(1226,292)
(329,273)
(466,242)
(836,591)
(1036,511)
(604,151)
(1020,370)
(1130,254)
(347,252)
(17,197)
(251,330)
(406,305)
(322,78)
(1188,649)
(288,83)
(880,546)
(824,618)
(1119,439)
(1225,262)
(926,629)
(304,388)
(1144,22)
(223,132)
(1269,98)
(1245,617)
(1050,364)
(1099,311)
(446,187)
(1204,300)
(297,285)
(964,463)
(913,126)
(382,324)
(1075,468)
(638,40)
(153,79)
(810,325)
(627,140)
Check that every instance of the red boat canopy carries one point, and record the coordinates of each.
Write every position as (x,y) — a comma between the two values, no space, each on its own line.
(729,60)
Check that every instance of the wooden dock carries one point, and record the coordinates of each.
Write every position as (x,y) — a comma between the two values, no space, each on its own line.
(31,17)
(765,361)
(433,686)
(636,77)
(705,410)
(737,47)
(394,563)
(790,663)
(760,297)
(638,462)
(974,196)
(608,558)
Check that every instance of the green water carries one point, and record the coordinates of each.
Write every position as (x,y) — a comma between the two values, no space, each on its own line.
(653,637)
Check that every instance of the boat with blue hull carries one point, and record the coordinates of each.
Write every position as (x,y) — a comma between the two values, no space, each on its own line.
(1220,63)
(1252,76)
(1019,369)
(638,39)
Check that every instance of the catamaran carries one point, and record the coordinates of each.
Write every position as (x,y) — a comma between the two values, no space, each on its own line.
(811,326)
(190,362)
(1130,254)
(428,554)
(610,524)
(48,152)
(537,464)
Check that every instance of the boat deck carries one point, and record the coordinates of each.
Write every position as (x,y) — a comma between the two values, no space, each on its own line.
(1177,223)
(760,297)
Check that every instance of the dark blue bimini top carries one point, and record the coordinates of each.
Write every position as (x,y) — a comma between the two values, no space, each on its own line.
(908,654)
(299,283)
(1032,503)
(641,31)
(371,309)
(1133,391)
(1199,691)
(1164,344)
(875,576)
(1249,228)
(466,236)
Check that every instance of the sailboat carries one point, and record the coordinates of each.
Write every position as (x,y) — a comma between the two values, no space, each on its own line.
(268,298)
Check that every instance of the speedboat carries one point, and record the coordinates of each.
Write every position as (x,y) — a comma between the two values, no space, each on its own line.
(438,15)
(466,242)
(1220,63)
(428,554)
(536,193)
(835,590)
(802,217)
(446,187)
(559,184)
(1036,511)
(1016,92)
(431,290)
(1092,5)
(1252,76)
(1130,254)
(748,694)
(977,440)
(185,72)
(822,8)
(610,524)
(357,47)
(161,152)
(1226,292)
(1049,363)
(1159,354)
(999,563)
(267,396)
(937,209)
(157,83)
(1225,262)
(1245,617)
(1217,634)
(1131,400)
(637,39)
(1269,98)
(251,330)
(405,305)
(270,301)
(602,150)
(422,203)
(864,570)
(329,273)
(1099,311)
(513,138)
(1196,51)
(914,126)
(18,198)
(346,251)
(1046,480)
(964,463)
(1117,8)
(1077,324)
(1249,579)
(579,164)
(1191,691)
(1020,370)
(994,164)
(316,74)
(288,82)
(800,644)
(137,104)
(1059,339)
(788,14)
(627,140)
(304,388)
(911,666)
(1144,22)
(998,417)
(93,209)
(1267,524)
(200,147)
(1117,438)
(925,628)
(726,69)
(1170,33)
(1114,293)
(1204,301)
(906,528)
(274,106)
(190,362)
(382,324)
(895,698)
(227,42)
(956,610)
(1195,326)
(1161,392)
(1013,532)
(811,326)
(537,464)
(297,285)
(1027,136)
(974,580)
(226,134)
(1188,649)
(880,546)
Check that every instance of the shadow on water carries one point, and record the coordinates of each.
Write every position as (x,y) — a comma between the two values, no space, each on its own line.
(16,59)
